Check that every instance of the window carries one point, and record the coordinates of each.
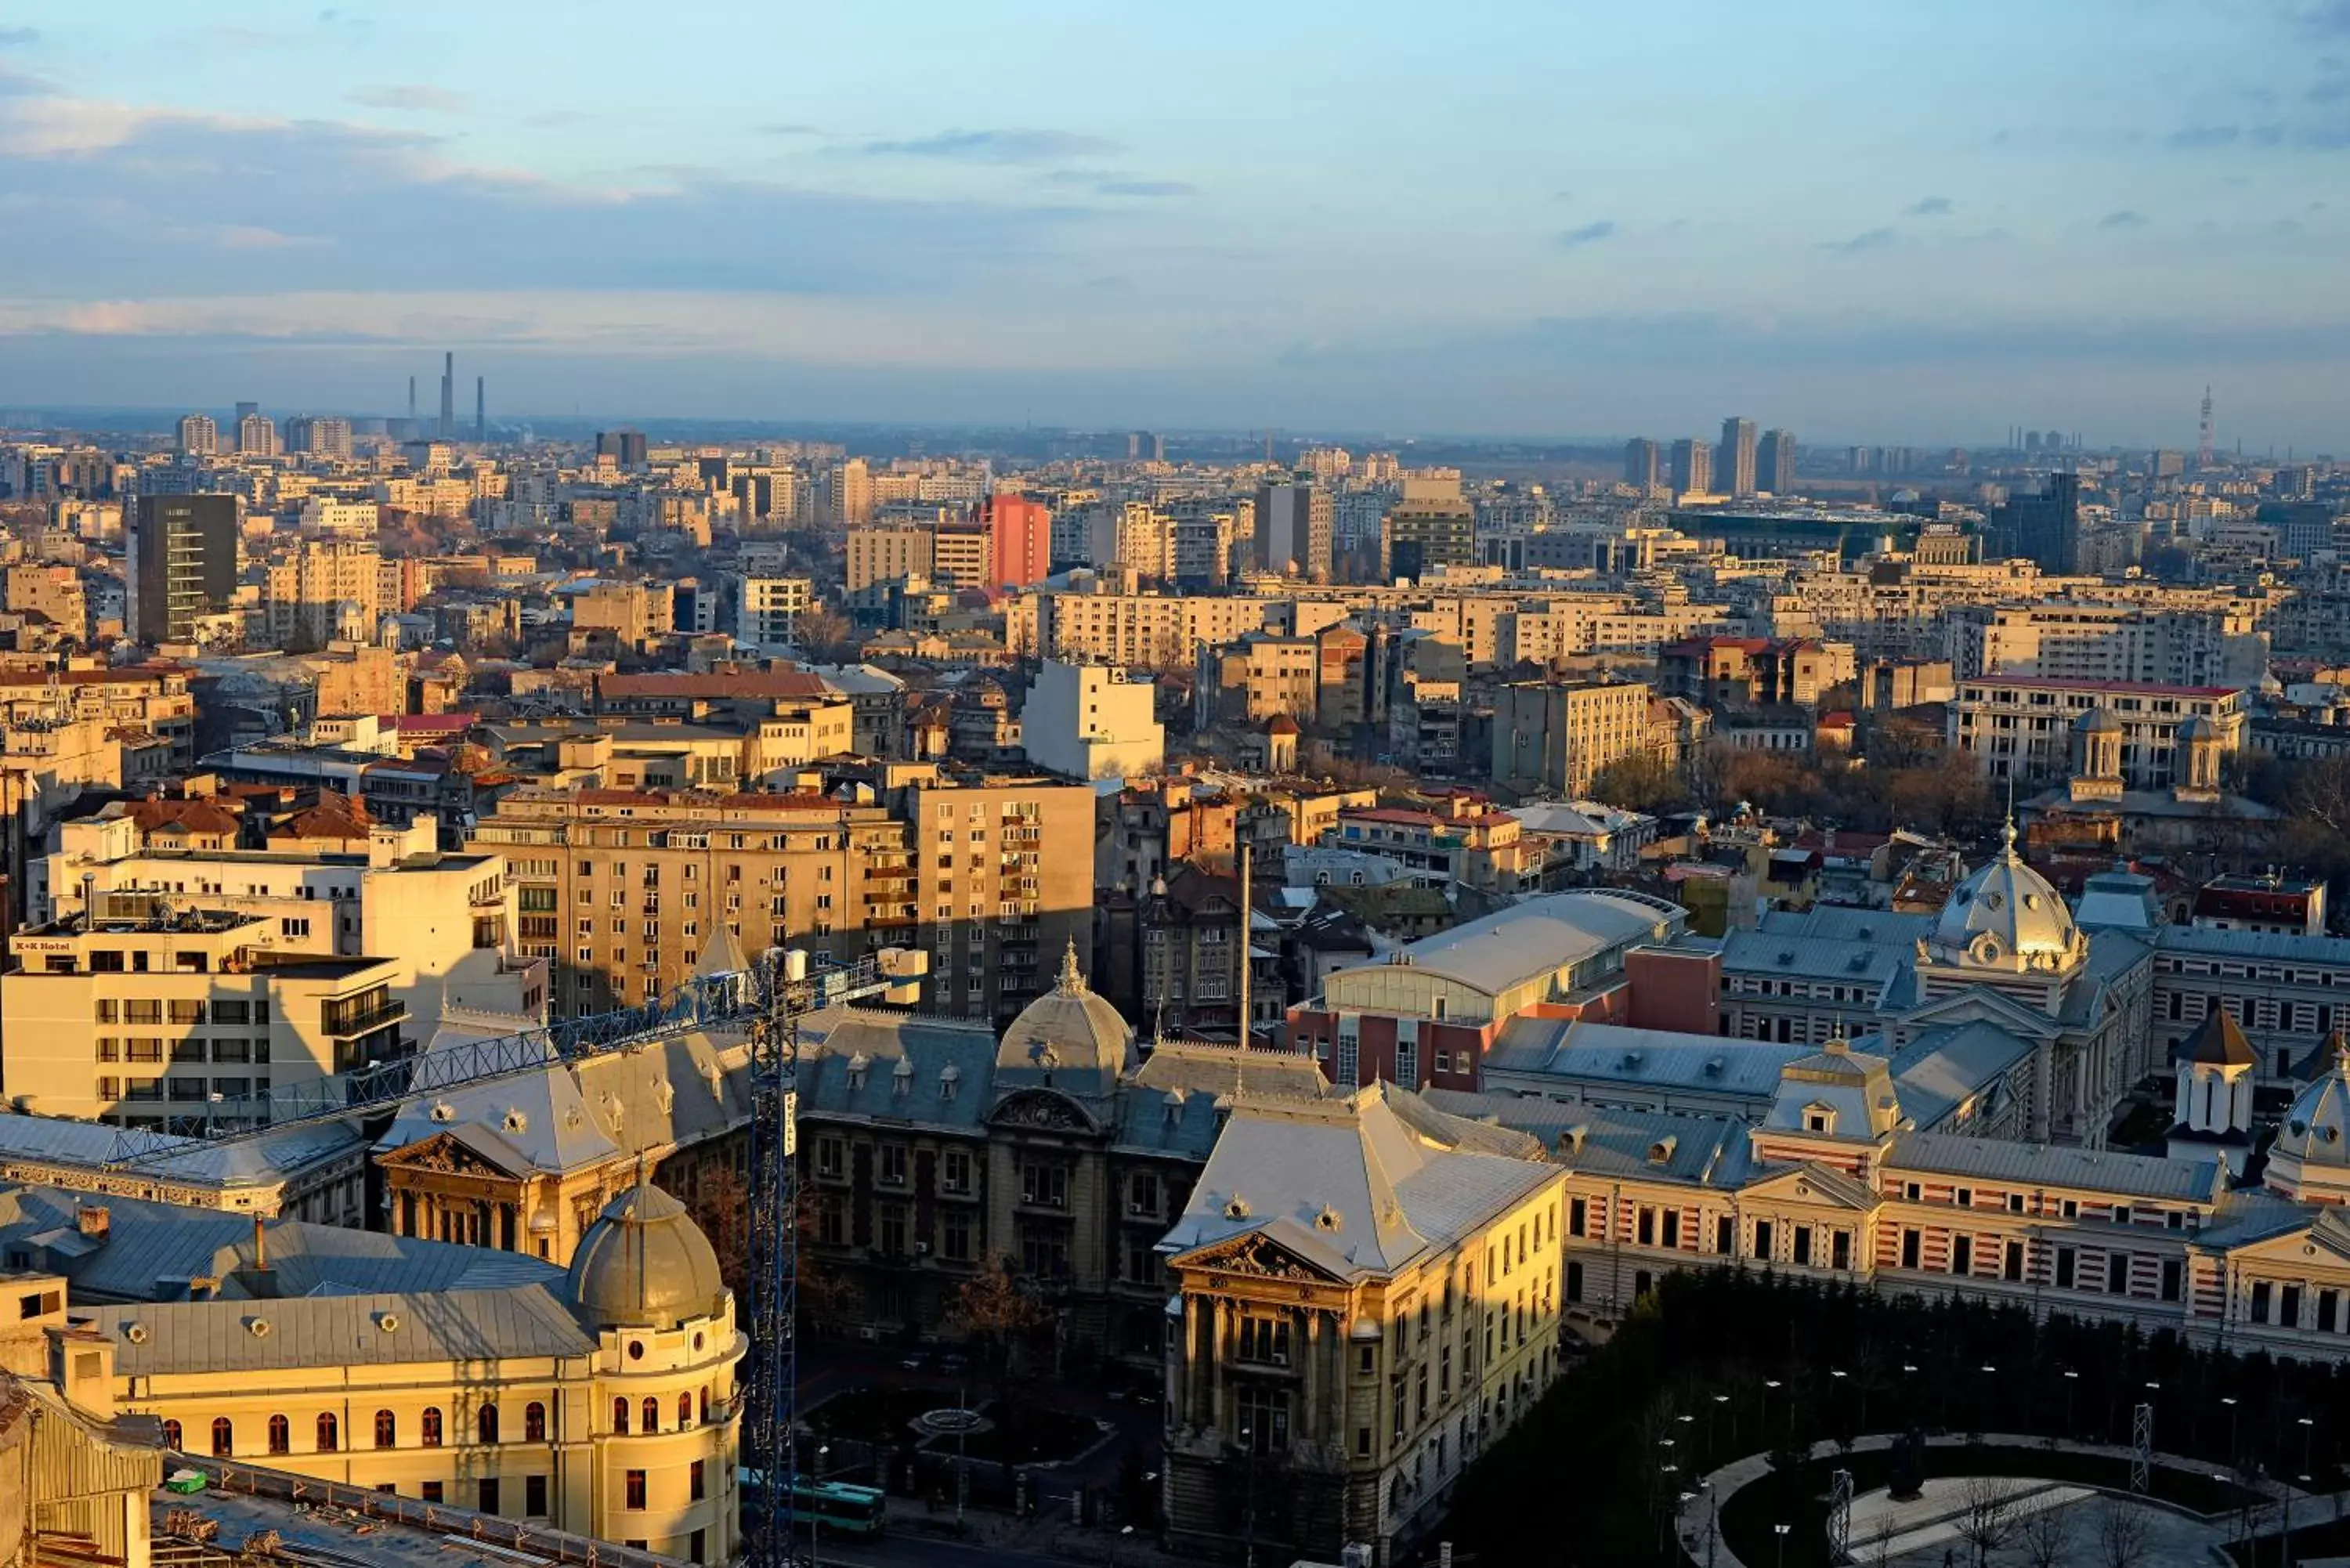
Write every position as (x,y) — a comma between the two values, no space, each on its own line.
(533,1496)
(2012,1262)
(329,1431)
(172,1435)
(635,1488)
(1962,1254)
(955,1171)
(2067,1265)
(1909,1247)
(429,1428)
(620,1415)
(281,1434)
(684,1411)
(696,1487)
(2172,1279)
(1763,1240)
(489,1494)
(653,1415)
(1045,1184)
(2259,1301)
(432,1491)
(387,1429)
(828,1157)
(1725,1235)
(534,1422)
(1577,1216)
(1266,1340)
(893,1165)
(223,1438)
(485,1424)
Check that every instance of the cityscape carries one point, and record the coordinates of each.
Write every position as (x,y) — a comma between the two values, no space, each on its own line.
(841,839)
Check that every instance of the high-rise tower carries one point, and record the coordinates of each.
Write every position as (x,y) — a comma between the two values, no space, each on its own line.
(1736,457)
(448,396)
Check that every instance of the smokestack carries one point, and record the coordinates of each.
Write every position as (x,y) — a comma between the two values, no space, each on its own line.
(412,405)
(448,395)
(481,409)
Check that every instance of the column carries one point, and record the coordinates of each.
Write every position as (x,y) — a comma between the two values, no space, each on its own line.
(1306,1426)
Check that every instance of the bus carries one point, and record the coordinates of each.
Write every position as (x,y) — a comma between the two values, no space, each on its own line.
(834,1505)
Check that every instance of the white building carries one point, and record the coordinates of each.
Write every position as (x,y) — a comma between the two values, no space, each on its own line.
(1091,721)
(767,611)
(331,515)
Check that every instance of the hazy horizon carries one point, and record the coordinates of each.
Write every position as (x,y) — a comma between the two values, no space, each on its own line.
(1919,225)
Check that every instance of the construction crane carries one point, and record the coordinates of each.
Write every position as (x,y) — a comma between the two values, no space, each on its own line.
(766,997)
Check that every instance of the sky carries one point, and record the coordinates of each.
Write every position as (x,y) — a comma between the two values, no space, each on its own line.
(1923,220)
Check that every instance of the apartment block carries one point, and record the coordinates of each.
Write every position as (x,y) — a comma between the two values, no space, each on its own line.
(2022,726)
(1557,737)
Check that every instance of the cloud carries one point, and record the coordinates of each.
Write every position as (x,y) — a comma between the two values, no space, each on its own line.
(1588,235)
(2194,137)
(1866,241)
(1929,207)
(995,145)
(409,95)
(784,130)
(16,37)
(1146,188)
(2125,219)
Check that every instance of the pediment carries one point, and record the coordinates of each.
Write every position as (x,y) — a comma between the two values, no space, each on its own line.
(1256,1256)
(1043,1110)
(1982,1004)
(2325,1240)
(446,1154)
(1816,1184)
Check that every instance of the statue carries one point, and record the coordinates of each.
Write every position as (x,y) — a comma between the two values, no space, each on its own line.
(1908,1473)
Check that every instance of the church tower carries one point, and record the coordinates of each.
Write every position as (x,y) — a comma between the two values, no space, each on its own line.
(2214,1094)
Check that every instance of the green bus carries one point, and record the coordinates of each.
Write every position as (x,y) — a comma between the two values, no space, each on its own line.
(834,1505)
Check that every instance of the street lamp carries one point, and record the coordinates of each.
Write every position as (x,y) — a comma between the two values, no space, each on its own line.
(2071,1382)
(1248,1526)
(815,1519)
(2308,1431)
(1770,1387)
(1781,1532)
(2230,1401)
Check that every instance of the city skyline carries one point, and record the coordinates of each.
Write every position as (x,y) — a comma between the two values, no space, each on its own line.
(308,204)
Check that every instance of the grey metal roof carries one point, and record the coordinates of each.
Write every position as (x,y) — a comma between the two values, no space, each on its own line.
(1513,945)
(1696,1150)
(2280,946)
(1845,923)
(1610,1054)
(936,1049)
(513,1322)
(2046,1165)
(151,1250)
(1944,1067)
(1845,961)
(1174,1102)
(260,1161)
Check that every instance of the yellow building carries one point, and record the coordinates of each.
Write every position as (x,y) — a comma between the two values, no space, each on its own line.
(599,1400)
(1367,1293)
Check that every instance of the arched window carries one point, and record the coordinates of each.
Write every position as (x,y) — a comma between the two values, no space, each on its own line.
(652,1414)
(281,1434)
(223,1438)
(172,1435)
(328,1432)
(485,1424)
(705,1404)
(684,1411)
(387,1429)
(620,1415)
(431,1433)
(534,1422)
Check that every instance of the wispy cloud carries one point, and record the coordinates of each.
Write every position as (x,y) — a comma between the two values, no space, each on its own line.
(17,37)
(1588,235)
(1929,207)
(412,96)
(1146,188)
(996,146)
(2193,137)
(2125,219)
(1859,243)
(779,129)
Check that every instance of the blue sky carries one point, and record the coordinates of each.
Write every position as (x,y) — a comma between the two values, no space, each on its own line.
(1904,221)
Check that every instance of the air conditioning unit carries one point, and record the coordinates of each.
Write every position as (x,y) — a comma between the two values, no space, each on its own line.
(922,1249)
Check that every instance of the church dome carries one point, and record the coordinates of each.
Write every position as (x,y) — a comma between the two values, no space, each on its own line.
(2097,722)
(645,1264)
(2007,912)
(2198,727)
(1069,1030)
(2316,1130)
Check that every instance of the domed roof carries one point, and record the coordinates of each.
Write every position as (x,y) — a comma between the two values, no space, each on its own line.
(2198,727)
(645,1264)
(2006,914)
(2316,1130)
(1069,1031)
(2097,720)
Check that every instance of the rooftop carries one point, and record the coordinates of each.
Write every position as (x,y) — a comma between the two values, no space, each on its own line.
(1512,946)
(2120,688)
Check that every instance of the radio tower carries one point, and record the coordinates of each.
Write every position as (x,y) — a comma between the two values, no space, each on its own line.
(2203,445)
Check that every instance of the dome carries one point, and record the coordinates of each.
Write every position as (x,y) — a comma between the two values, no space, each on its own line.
(645,1264)
(1069,1030)
(2198,727)
(2316,1130)
(2097,722)
(2006,913)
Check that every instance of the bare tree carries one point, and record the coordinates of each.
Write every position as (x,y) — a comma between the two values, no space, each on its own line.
(1987,1515)
(2121,1535)
(2047,1537)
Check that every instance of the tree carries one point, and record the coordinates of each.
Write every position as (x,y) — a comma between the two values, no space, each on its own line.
(1641,781)
(1987,1515)
(999,1312)
(2047,1537)
(2121,1535)
(824,636)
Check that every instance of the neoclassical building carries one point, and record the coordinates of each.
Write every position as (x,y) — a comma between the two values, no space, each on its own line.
(600,1399)
(1367,1292)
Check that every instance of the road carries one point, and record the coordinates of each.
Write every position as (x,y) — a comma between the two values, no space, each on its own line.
(924,1552)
